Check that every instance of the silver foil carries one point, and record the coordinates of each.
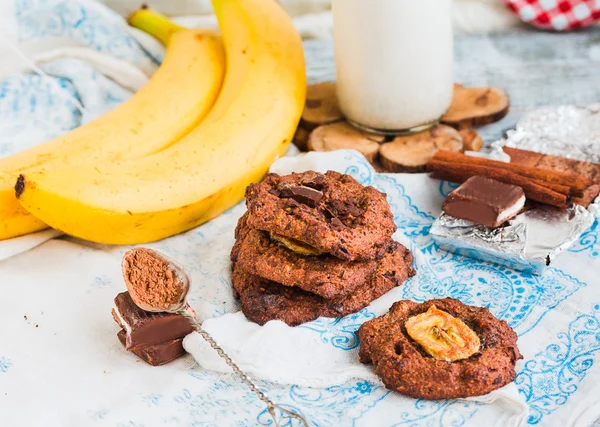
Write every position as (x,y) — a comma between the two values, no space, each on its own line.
(529,242)
(568,130)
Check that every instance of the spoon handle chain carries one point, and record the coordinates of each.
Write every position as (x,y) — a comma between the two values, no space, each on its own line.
(271,406)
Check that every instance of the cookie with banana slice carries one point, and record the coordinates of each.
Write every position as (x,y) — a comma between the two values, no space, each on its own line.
(312,213)
(263,300)
(258,253)
(440,349)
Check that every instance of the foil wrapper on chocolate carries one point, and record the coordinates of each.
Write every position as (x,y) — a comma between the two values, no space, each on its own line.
(533,239)
(568,130)
(530,242)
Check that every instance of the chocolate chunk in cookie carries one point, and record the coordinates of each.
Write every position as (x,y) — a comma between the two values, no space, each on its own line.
(450,350)
(332,213)
(264,300)
(300,193)
(326,275)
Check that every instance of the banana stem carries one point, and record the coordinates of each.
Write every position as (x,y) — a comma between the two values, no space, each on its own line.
(153,23)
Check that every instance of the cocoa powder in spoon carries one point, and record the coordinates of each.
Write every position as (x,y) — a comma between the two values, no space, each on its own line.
(153,282)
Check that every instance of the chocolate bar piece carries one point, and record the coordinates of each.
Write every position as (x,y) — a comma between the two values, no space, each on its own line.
(485,201)
(143,328)
(157,354)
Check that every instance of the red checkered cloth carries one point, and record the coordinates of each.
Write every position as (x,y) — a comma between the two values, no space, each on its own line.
(559,15)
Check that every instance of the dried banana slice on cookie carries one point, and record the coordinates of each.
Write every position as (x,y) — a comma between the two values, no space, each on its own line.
(296,245)
(442,335)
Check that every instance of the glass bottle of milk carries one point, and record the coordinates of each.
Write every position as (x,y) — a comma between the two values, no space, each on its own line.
(394,62)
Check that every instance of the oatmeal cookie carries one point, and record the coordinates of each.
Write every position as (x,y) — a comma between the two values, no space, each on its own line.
(329,213)
(325,275)
(263,300)
(408,368)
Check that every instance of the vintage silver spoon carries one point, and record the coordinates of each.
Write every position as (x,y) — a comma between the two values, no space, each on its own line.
(170,297)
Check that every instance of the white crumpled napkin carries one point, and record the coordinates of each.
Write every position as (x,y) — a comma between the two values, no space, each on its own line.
(22,244)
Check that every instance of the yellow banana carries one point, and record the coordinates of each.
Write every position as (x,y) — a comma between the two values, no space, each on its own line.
(153,23)
(206,172)
(170,105)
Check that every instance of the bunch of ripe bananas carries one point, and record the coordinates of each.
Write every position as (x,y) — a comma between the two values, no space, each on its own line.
(182,150)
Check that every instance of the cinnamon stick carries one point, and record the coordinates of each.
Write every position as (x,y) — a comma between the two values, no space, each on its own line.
(460,172)
(587,170)
(562,189)
(577,183)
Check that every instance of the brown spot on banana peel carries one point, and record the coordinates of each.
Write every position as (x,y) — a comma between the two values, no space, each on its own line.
(20,186)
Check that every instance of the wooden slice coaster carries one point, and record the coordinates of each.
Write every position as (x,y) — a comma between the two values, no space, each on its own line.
(341,135)
(321,106)
(301,139)
(471,140)
(473,106)
(411,153)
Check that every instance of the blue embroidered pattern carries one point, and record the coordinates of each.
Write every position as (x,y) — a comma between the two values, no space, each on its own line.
(359,168)
(5,364)
(89,25)
(340,332)
(332,406)
(35,102)
(447,188)
(589,242)
(552,376)
(519,298)
(438,413)
(97,415)
(130,424)
(101,282)
(152,399)
(346,402)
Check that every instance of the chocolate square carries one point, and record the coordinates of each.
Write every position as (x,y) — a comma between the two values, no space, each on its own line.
(157,354)
(147,328)
(485,201)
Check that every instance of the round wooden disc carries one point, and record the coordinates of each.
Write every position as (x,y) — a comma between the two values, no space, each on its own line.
(412,152)
(471,140)
(341,135)
(301,139)
(321,106)
(473,106)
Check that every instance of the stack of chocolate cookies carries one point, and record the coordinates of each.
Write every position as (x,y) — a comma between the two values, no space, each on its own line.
(313,245)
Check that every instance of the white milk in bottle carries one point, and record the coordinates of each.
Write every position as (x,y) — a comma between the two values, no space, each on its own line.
(394,62)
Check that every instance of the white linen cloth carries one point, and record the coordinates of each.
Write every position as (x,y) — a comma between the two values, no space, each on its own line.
(62,365)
